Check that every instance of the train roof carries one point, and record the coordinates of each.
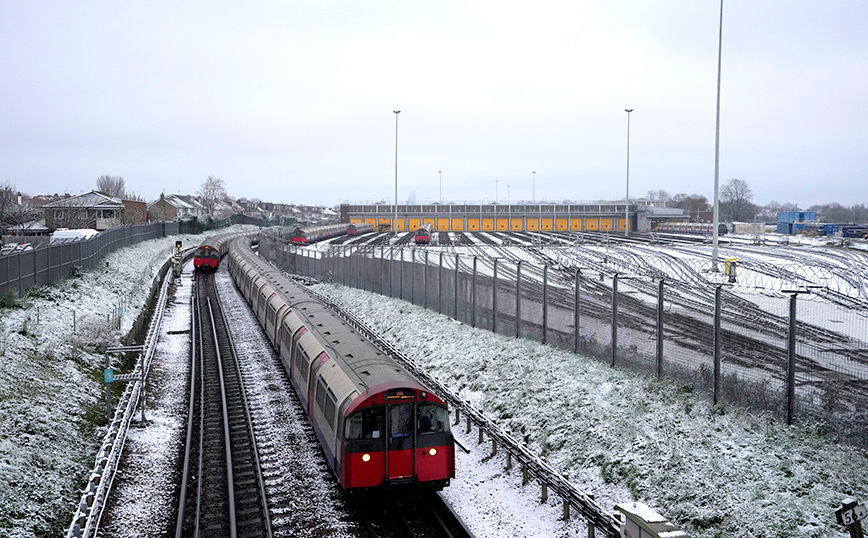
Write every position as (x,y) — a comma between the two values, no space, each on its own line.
(370,370)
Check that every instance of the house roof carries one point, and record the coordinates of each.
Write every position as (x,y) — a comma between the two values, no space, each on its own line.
(92,199)
(180,201)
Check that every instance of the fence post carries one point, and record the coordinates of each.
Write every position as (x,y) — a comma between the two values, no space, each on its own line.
(578,311)
(391,270)
(545,304)
(425,279)
(660,329)
(382,270)
(440,286)
(614,317)
(455,305)
(413,277)
(494,300)
(401,275)
(716,388)
(518,299)
(473,296)
(791,361)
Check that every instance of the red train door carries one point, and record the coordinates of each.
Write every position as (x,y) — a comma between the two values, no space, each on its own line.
(399,451)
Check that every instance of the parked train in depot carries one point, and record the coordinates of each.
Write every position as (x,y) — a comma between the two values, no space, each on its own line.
(423,234)
(302,236)
(698,228)
(359,229)
(381,430)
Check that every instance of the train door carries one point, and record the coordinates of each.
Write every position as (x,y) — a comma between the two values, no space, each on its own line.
(401,442)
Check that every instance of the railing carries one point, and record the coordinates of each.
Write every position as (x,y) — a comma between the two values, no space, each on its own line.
(85,522)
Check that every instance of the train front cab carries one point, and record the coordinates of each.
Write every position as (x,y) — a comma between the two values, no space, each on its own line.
(400,440)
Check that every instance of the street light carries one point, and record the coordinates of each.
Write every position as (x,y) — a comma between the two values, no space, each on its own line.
(508,211)
(441,186)
(627,206)
(396,170)
(495,190)
(539,224)
(534,186)
(717,150)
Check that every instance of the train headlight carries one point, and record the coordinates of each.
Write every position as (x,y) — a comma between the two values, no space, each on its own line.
(432,452)
(366,458)
(423,394)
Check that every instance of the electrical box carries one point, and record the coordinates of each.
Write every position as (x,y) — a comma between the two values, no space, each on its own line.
(640,521)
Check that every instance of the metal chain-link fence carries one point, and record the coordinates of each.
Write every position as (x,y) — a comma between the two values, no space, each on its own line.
(736,343)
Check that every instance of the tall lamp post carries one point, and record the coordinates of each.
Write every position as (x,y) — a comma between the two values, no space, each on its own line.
(716,212)
(441,186)
(508,211)
(396,170)
(539,224)
(627,206)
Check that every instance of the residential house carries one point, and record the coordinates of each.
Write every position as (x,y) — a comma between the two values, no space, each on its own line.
(175,206)
(89,210)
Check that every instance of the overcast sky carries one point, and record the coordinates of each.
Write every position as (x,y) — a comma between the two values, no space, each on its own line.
(292,101)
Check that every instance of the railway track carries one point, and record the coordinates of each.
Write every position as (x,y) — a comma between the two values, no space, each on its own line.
(425,517)
(222,492)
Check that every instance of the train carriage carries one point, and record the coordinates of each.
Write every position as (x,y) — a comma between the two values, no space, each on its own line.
(317,233)
(381,430)
(359,229)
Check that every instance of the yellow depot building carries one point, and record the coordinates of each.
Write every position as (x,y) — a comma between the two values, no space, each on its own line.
(499,217)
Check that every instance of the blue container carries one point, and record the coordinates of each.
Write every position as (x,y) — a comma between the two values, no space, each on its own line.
(830,229)
(785,228)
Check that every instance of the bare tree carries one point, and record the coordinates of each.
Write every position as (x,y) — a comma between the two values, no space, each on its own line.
(12,211)
(212,192)
(660,197)
(737,196)
(113,186)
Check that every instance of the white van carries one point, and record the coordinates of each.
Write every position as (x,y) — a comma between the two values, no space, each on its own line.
(65,235)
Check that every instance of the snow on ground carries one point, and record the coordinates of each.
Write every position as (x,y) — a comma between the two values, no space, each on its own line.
(51,384)
(716,471)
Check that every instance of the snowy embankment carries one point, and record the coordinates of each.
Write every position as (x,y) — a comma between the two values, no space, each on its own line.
(717,471)
(51,390)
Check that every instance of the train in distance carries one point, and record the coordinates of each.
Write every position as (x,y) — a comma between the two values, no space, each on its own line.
(423,234)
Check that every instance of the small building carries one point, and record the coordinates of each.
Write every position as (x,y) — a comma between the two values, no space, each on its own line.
(792,222)
(89,210)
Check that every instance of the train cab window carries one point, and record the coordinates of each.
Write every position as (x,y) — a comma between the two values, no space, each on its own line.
(366,424)
(432,419)
(400,419)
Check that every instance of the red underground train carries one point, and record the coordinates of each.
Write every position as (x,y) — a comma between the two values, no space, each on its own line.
(382,432)
(423,234)
(206,258)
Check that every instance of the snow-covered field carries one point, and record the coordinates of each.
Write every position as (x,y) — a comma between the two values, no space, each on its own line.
(717,471)
(51,389)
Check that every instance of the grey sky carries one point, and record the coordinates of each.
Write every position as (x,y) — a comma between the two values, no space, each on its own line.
(292,101)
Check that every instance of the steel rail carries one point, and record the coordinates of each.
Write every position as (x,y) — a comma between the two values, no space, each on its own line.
(230,479)
(179,523)
(257,465)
